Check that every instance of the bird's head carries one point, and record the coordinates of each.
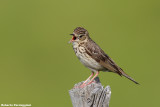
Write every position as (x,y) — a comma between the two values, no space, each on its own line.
(79,35)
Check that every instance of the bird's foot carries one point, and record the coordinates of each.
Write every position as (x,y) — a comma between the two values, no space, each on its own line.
(91,82)
(83,85)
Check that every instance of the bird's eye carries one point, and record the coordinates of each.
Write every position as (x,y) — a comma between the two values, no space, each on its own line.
(80,36)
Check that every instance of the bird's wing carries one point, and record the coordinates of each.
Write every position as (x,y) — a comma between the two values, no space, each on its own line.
(99,55)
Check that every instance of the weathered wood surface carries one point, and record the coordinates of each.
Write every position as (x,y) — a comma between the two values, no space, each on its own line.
(93,95)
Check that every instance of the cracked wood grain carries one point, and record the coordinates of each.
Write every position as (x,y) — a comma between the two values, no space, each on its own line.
(93,95)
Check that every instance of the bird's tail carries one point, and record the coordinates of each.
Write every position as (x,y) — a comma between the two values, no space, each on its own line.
(127,76)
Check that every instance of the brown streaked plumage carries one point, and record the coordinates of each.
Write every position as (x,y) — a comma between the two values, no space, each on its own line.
(92,56)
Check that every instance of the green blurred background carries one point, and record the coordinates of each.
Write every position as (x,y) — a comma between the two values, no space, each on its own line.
(38,66)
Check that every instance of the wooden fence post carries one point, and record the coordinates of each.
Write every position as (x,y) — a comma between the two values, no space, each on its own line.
(93,95)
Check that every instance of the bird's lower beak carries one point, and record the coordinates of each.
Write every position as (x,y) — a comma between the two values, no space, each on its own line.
(71,40)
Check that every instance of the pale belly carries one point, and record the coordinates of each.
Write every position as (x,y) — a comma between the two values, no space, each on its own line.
(87,61)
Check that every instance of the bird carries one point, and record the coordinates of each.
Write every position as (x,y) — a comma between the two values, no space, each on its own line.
(92,56)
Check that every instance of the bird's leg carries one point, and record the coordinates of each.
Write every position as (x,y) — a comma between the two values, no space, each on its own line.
(84,83)
(93,78)
(89,77)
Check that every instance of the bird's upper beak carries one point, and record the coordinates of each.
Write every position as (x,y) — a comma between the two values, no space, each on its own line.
(73,38)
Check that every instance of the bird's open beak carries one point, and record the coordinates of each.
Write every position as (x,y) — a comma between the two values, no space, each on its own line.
(73,38)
